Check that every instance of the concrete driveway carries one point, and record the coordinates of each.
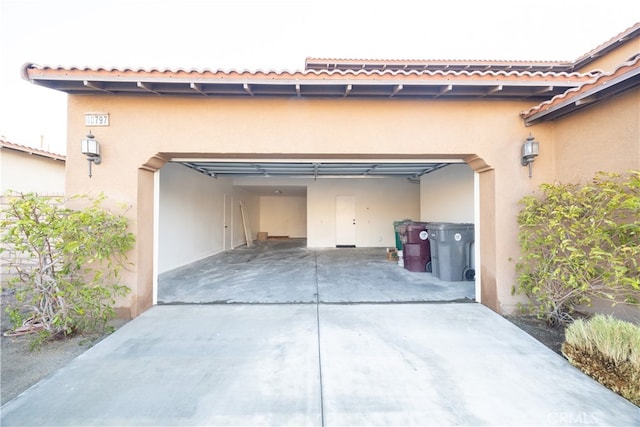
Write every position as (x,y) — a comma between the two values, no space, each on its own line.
(319,363)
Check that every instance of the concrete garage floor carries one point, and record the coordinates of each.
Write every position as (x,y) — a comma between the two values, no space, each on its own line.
(310,363)
(285,271)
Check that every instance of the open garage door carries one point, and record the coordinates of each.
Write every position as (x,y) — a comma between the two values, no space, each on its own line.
(199,218)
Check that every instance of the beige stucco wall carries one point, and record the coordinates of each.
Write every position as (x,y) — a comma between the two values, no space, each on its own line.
(487,134)
(28,173)
(598,139)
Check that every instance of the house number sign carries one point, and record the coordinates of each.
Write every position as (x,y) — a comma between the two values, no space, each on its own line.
(96,119)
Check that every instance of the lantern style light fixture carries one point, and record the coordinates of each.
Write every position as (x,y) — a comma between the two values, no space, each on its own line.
(530,150)
(90,147)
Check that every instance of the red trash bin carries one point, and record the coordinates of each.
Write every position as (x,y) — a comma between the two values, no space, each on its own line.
(417,232)
(417,250)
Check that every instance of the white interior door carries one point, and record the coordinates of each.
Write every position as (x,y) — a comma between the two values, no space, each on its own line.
(227,233)
(345,221)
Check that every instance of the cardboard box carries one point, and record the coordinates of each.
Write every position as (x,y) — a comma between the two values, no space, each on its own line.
(262,235)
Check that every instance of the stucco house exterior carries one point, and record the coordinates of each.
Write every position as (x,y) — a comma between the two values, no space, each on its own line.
(383,140)
(30,170)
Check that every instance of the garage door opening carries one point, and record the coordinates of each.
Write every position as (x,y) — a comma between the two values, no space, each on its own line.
(199,213)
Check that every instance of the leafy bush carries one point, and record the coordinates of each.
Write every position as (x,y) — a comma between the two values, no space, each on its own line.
(579,242)
(608,350)
(67,263)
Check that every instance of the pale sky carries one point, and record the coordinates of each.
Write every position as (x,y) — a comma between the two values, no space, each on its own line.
(244,34)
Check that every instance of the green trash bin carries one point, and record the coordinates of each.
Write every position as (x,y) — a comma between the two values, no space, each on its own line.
(399,228)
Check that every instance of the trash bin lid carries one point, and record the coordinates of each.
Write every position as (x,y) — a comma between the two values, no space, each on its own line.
(450,226)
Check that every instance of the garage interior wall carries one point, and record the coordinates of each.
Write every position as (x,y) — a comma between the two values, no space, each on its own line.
(284,216)
(191,213)
(446,195)
(378,203)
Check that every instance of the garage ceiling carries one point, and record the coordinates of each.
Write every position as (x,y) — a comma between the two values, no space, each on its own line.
(260,169)
(313,169)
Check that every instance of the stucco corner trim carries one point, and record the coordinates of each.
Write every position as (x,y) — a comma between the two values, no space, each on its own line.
(477,163)
(155,162)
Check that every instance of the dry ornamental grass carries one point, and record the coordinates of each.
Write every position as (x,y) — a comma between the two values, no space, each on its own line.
(608,350)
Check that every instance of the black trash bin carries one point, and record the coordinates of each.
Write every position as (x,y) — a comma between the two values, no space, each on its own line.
(451,246)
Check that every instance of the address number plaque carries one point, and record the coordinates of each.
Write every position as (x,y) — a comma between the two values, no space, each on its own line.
(96,119)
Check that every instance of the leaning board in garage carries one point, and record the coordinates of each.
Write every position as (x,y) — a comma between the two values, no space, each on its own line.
(245,223)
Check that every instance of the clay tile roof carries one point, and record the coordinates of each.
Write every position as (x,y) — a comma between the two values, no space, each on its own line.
(532,84)
(472,64)
(625,77)
(434,64)
(609,45)
(67,73)
(534,81)
(31,150)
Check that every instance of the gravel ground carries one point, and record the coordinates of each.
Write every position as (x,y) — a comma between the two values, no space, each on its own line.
(22,368)
(552,337)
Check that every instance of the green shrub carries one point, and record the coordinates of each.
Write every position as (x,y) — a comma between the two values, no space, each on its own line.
(579,242)
(67,264)
(608,350)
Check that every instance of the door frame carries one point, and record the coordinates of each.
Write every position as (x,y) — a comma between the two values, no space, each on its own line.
(227,222)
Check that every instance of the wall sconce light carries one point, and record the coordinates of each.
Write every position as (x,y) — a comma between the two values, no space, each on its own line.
(530,150)
(91,148)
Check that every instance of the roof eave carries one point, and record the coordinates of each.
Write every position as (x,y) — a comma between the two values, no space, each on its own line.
(339,84)
(588,98)
(32,151)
